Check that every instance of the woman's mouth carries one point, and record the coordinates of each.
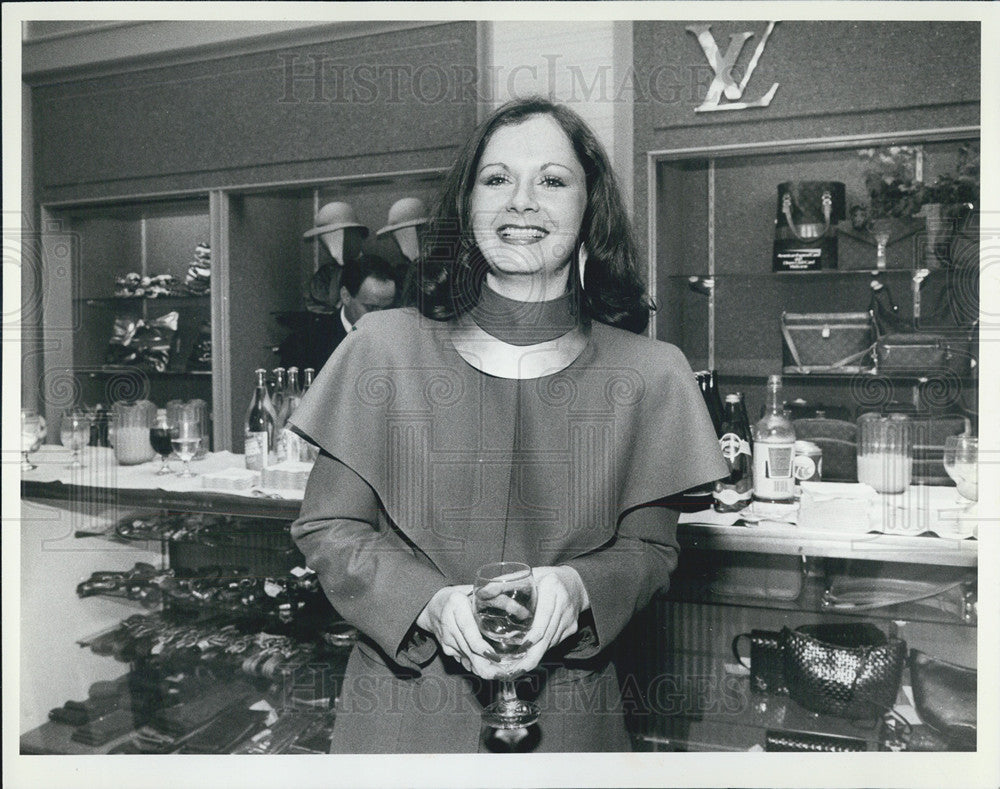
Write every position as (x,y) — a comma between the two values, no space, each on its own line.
(521,234)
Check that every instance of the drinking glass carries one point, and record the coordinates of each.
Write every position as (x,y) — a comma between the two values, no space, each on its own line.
(885,452)
(74,432)
(159,438)
(185,438)
(961,461)
(31,436)
(504,597)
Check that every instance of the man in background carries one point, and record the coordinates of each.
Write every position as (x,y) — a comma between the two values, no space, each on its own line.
(367,283)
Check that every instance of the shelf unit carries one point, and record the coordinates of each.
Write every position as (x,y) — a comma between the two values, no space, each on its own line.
(711,219)
(260,264)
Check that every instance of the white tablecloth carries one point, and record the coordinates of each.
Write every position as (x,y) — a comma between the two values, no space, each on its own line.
(853,508)
(102,471)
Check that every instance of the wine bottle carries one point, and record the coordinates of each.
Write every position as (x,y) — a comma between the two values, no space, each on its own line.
(258,432)
(294,389)
(280,402)
(706,383)
(289,442)
(733,492)
(774,450)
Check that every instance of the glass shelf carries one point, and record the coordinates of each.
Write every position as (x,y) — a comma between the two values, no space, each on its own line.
(791,275)
(112,301)
(105,371)
(694,589)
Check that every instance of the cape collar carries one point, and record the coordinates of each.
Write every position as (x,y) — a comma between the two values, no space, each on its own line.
(493,356)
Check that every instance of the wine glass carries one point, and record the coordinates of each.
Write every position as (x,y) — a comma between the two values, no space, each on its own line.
(961,461)
(31,436)
(185,438)
(159,438)
(74,432)
(504,598)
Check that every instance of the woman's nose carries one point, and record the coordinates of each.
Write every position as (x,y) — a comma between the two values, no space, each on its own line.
(523,198)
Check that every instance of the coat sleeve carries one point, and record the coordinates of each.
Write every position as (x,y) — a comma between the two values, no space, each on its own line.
(622,576)
(373,577)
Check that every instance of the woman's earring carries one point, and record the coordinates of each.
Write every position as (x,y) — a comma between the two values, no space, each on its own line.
(581,257)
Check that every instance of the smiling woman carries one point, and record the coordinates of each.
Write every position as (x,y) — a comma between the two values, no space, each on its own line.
(527,206)
(513,421)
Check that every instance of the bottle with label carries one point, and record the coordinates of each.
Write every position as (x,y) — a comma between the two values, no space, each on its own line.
(733,492)
(706,382)
(259,426)
(289,442)
(294,389)
(774,450)
(279,401)
(744,417)
(307,452)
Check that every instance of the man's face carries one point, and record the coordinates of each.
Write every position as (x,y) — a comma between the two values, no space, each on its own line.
(374,294)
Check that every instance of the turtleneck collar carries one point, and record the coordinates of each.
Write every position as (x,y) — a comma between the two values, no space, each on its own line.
(523,322)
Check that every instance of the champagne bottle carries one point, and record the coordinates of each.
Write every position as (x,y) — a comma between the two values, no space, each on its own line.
(258,432)
(290,443)
(711,398)
(280,402)
(733,492)
(774,450)
(307,451)
(294,390)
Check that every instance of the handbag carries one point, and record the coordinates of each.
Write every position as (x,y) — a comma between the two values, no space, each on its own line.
(827,342)
(922,353)
(852,670)
(805,235)
(945,697)
(899,349)
(766,664)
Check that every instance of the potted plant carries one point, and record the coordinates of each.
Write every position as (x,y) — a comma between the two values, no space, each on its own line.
(896,197)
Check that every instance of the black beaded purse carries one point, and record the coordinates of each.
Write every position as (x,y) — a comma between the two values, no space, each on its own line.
(852,670)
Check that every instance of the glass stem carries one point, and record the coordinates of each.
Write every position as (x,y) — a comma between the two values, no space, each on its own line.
(508,692)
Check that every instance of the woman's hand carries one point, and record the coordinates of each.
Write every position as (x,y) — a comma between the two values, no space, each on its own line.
(449,616)
(561,599)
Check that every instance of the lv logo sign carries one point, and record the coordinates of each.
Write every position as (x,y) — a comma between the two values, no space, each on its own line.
(724,84)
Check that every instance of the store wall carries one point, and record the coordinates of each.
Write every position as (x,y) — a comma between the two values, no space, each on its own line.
(387,101)
(834,79)
(583,64)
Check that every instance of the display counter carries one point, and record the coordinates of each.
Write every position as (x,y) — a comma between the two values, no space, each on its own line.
(229,577)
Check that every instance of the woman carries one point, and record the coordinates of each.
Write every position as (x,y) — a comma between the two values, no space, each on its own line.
(512,418)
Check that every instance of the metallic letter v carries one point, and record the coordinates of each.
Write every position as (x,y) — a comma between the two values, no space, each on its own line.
(723,83)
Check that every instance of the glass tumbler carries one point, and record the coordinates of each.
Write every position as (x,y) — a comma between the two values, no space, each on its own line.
(198,407)
(129,431)
(885,452)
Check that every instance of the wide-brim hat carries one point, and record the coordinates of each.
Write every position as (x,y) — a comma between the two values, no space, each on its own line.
(334,216)
(406,212)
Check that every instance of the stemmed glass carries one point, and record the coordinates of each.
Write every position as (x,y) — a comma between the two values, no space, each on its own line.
(159,438)
(31,436)
(185,438)
(961,461)
(74,432)
(504,597)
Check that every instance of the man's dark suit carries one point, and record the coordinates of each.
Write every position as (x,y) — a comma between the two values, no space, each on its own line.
(314,337)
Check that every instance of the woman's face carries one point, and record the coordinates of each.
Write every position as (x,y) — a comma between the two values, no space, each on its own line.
(528,201)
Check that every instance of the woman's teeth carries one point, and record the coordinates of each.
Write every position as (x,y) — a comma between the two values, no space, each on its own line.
(516,234)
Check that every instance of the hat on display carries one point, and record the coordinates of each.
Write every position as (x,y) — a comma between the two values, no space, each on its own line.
(334,216)
(406,212)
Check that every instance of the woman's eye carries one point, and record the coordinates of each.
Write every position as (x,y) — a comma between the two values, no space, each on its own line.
(494,180)
(551,180)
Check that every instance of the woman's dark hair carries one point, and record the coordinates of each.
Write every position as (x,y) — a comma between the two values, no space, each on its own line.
(452,268)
